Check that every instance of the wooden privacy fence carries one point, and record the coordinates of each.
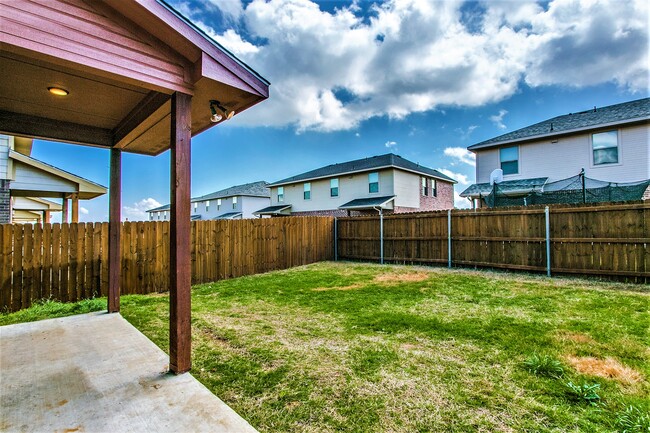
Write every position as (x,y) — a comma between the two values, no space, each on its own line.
(69,262)
(606,240)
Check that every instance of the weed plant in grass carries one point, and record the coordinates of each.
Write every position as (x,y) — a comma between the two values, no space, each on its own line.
(344,347)
(544,365)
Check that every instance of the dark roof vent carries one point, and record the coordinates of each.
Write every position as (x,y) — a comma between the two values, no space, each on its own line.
(594,108)
(551,126)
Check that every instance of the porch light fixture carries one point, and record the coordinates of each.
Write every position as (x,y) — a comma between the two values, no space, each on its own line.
(58,91)
(219,112)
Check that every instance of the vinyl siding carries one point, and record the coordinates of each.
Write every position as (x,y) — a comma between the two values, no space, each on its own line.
(407,189)
(28,178)
(351,187)
(4,156)
(570,154)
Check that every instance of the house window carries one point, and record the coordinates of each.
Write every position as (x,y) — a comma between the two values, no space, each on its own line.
(605,147)
(234,202)
(218,204)
(334,187)
(280,194)
(434,188)
(207,206)
(196,206)
(307,191)
(425,189)
(373,182)
(158,216)
(151,217)
(509,157)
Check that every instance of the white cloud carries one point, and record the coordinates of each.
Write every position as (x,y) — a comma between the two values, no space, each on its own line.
(83,210)
(230,8)
(461,202)
(138,212)
(497,119)
(465,133)
(390,144)
(332,70)
(461,154)
(461,178)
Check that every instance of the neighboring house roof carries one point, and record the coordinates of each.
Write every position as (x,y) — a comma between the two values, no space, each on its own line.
(35,204)
(368,203)
(87,189)
(273,210)
(195,217)
(506,187)
(253,189)
(389,160)
(229,216)
(627,112)
(160,208)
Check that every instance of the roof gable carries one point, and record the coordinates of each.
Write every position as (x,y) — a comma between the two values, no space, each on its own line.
(389,160)
(626,112)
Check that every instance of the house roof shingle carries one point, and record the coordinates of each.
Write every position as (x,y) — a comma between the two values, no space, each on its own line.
(610,115)
(367,203)
(272,210)
(365,164)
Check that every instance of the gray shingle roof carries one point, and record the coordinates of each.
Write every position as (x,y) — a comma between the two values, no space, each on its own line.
(228,216)
(365,164)
(612,114)
(272,210)
(506,186)
(367,203)
(254,189)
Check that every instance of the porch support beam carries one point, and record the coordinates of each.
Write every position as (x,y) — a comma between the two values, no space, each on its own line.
(64,209)
(75,207)
(114,227)
(180,263)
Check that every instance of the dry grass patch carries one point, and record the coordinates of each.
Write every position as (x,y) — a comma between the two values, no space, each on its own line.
(608,368)
(577,338)
(340,288)
(394,277)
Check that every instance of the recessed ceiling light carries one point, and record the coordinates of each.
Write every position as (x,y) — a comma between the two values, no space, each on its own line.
(58,91)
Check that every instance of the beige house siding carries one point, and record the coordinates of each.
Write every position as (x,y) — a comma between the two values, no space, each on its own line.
(567,156)
(30,178)
(351,187)
(407,189)
(4,156)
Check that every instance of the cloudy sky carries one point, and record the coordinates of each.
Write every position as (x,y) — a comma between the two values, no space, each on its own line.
(420,78)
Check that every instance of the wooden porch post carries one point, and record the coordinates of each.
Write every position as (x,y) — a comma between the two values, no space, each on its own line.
(46,216)
(180,262)
(75,207)
(64,210)
(114,227)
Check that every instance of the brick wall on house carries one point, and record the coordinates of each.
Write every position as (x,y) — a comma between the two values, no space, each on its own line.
(444,198)
(5,202)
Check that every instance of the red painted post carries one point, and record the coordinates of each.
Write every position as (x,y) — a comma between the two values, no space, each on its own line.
(180,262)
(114,227)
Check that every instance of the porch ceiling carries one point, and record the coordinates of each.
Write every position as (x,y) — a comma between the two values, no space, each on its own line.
(120,62)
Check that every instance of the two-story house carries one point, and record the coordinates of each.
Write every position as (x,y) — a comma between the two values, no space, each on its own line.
(236,202)
(387,182)
(611,144)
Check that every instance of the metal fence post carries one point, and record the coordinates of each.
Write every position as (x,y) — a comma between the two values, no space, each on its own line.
(381,237)
(449,238)
(548,241)
(336,239)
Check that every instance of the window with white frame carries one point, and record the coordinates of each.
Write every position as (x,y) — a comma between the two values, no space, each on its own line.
(334,187)
(280,194)
(306,194)
(604,146)
(218,204)
(425,188)
(509,158)
(234,202)
(196,206)
(373,182)
(207,206)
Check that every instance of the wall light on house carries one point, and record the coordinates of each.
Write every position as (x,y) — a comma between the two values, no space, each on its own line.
(58,91)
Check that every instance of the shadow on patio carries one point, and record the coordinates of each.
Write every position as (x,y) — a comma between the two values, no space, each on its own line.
(96,372)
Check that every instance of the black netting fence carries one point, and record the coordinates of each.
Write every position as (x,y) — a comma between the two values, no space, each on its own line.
(576,189)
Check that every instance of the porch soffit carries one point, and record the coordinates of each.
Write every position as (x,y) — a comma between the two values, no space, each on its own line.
(120,61)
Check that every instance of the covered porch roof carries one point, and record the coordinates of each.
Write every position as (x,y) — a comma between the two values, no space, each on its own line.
(368,203)
(229,216)
(283,209)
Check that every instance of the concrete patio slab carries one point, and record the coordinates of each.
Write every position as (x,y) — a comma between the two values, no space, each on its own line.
(97,373)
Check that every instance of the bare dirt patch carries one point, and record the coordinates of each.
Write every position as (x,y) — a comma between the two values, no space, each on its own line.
(411,277)
(608,368)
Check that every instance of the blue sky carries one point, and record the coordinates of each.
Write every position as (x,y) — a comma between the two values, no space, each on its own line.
(423,79)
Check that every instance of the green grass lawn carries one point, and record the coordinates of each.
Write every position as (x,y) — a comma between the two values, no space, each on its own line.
(341,347)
